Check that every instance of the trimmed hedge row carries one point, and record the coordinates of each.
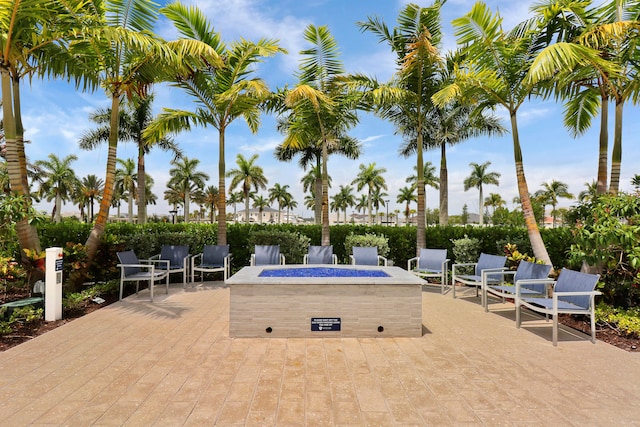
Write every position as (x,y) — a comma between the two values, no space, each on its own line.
(147,239)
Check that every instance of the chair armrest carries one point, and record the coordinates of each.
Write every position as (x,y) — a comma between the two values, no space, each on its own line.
(135,265)
(252,260)
(576,293)
(166,262)
(353,260)
(465,264)
(414,260)
(282,259)
(334,258)
(383,259)
(156,256)
(305,259)
(519,283)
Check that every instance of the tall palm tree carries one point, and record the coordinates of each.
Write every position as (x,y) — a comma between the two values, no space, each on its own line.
(126,57)
(186,176)
(92,189)
(378,200)
(31,34)
(175,197)
(551,192)
(279,193)
(635,181)
(59,180)
(597,59)
(496,74)
(222,93)
(479,177)
(406,195)
(260,202)
(371,177)
(312,183)
(362,203)
(248,176)
(319,108)
(126,181)
(132,122)
(211,199)
(415,41)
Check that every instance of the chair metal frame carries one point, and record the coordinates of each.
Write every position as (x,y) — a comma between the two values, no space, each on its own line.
(211,265)
(431,263)
(484,267)
(137,270)
(533,279)
(573,293)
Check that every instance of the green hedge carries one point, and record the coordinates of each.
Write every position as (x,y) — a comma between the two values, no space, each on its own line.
(147,239)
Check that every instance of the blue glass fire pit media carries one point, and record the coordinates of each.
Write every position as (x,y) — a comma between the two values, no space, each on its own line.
(321,272)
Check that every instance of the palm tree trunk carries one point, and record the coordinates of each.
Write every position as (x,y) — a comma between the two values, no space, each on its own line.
(318,193)
(480,210)
(142,186)
(420,234)
(537,244)
(130,207)
(187,202)
(222,196)
(58,208)
(246,206)
(93,241)
(616,154)
(325,240)
(603,150)
(444,187)
(27,235)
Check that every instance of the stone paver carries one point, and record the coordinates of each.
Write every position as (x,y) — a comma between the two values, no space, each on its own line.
(173,363)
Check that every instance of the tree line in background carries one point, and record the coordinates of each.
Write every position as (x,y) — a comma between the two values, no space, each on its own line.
(584,55)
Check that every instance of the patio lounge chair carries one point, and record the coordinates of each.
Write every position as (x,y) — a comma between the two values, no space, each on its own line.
(573,293)
(430,263)
(178,257)
(133,269)
(533,280)
(213,258)
(367,255)
(486,264)
(267,255)
(320,255)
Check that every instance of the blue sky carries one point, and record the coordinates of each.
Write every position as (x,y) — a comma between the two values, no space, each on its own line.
(55,115)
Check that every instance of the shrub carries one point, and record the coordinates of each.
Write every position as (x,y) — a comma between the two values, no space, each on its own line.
(466,250)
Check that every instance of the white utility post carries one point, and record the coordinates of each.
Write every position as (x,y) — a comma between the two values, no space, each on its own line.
(53,285)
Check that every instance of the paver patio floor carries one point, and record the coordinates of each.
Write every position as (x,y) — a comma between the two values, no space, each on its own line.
(172,363)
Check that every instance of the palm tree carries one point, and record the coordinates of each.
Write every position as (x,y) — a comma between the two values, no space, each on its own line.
(248,175)
(185,176)
(496,74)
(479,177)
(377,200)
(590,193)
(415,41)
(126,58)
(370,177)
(362,203)
(344,200)
(126,181)
(494,201)
(132,121)
(260,202)
(635,181)
(406,195)
(175,197)
(31,33)
(598,60)
(312,183)
(319,108)
(59,180)
(92,189)
(551,192)
(211,199)
(222,93)
(279,193)
(235,198)
(289,203)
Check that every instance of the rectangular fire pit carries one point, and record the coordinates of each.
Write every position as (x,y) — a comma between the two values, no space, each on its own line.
(336,301)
